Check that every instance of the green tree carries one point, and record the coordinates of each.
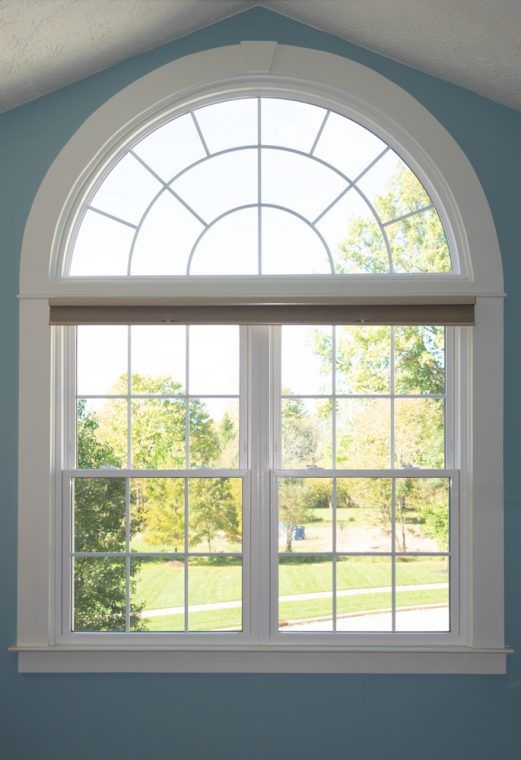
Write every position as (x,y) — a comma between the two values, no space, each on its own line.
(214,510)
(157,509)
(99,525)
(363,363)
(298,433)
(159,442)
(294,508)
(417,243)
(228,435)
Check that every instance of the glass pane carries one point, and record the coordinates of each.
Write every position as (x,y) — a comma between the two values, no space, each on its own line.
(215,594)
(419,360)
(165,238)
(290,246)
(214,360)
(393,188)
(364,594)
(354,237)
(363,433)
(127,190)
(158,433)
(215,515)
(157,514)
(172,147)
(422,594)
(230,246)
(101,433)
(290,123)
(99,594)
(214,432)
(288,177)
(305,594)
(101,359)
(101,248)
(157,594)
(306,432)
(419,439)
(99,514)
(418,244)
(229,124)
(158,359)
(363,360)
(364,515)
(306,360)
(348,146)
(422,514)
(305,515)
(220,184)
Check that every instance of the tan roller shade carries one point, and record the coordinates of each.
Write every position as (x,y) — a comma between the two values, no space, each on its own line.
(398,312)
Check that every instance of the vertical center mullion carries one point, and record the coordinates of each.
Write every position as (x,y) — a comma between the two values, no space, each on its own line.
(263,551)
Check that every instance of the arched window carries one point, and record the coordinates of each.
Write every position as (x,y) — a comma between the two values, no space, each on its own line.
(258,186)
(275,440)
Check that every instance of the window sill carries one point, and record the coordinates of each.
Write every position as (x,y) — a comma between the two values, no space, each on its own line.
(67,659)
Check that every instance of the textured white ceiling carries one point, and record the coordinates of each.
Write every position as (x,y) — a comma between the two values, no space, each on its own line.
(46,44)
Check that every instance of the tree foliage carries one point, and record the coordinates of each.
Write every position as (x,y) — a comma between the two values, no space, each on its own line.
(294,508)
(214,508)
(416,243)
(99,525)
(363,366)
(157,504)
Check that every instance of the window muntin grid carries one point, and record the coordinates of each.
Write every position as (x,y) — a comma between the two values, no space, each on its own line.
(165,210)
(389,571)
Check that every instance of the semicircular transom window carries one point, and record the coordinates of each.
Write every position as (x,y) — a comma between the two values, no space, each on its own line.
(259,186)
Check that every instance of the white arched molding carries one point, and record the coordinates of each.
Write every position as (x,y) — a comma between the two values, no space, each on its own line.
(359,93)
(266,68)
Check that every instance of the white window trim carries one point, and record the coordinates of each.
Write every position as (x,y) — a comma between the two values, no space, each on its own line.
(448,176)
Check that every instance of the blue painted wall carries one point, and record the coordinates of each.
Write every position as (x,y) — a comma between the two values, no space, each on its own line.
(93,717)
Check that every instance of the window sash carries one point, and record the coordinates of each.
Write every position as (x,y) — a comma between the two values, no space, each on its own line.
(452,554)
(69,554)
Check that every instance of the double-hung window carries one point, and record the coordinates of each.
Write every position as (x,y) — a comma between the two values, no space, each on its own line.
(187,445)
(272,444)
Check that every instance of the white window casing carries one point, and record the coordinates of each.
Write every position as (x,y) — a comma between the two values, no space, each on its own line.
(477,372)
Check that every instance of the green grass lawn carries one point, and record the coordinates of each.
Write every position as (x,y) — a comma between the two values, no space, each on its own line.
(160,584)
